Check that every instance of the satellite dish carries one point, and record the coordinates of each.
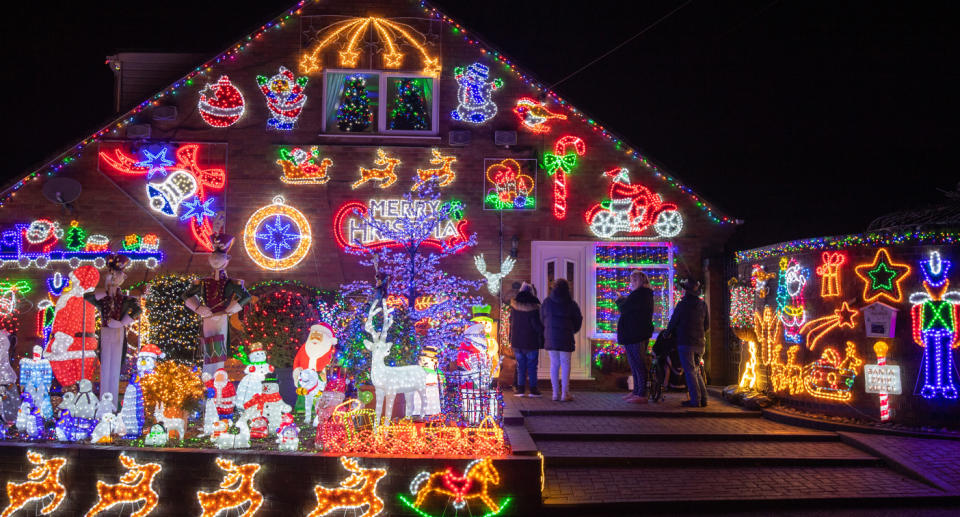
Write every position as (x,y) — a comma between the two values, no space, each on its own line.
(62,191)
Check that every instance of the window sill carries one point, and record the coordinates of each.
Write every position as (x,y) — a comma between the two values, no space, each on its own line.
(377,136)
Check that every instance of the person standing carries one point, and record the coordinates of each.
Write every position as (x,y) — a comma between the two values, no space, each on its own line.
(634,329)
(526,338)
(690,322)
(561,321)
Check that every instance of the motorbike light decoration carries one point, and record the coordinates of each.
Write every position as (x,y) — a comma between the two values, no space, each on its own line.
(882,277)
(829,272)
(42,482)
(558,165)
(277,236)
(632,209)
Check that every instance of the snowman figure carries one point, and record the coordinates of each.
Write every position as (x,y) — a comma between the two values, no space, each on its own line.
(474,94)
(254,375)
(274,407)
(86,402)
(36,375)
(157,436)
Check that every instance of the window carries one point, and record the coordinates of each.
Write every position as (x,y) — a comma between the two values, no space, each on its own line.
(384,103)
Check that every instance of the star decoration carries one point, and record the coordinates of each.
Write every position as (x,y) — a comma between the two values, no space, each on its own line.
(278,237)
(845,315)
(349,58)
(882,277)
(197,209)
(156,163)
(393,60)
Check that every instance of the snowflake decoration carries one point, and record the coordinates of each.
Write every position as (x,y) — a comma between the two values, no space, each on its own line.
(197,209)
(157,163)
(278,237)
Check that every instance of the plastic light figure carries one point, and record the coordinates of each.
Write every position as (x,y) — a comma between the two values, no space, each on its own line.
(72,351)
(474,94)
(288,434)
(494,279)
(36,376)
(132,412)
(254,375)
(42,482)
(135,485)
(935,328)
(390,380)
(285,98)
(157,437)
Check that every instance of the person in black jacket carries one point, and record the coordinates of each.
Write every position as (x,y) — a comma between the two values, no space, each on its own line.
(526,338)
(690,322)
(561,321)
(634,329)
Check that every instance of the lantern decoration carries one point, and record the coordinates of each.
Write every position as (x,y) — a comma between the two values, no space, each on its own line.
(277,236)
(221,104)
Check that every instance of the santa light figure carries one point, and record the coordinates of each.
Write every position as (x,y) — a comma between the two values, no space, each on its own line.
(117,312)
(316,353)
(285,98)
(36,376)
(215,299)
(221,391)
(71,356)
(934,315)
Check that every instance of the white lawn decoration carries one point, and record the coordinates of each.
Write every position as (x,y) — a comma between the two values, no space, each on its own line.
(309,382)
(210,417)
(493,279)
(390,380)
(241,440)
(108,425)
(171,424)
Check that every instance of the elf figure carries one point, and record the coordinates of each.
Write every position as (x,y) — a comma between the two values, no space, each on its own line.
(474,94)
(215,299)
(935,315)
(285,98)
(132,412)
(74,334)
(428,360)
(254,375)
(36,376)
(117,312)
(222,392)
(316,353)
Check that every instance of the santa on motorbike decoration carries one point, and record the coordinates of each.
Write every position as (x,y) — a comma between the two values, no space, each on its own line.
(632,209)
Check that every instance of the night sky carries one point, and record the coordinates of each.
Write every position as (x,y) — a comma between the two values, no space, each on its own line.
(802,118)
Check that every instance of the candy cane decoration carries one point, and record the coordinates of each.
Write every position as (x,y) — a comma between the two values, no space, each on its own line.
(880,348)
(563,163)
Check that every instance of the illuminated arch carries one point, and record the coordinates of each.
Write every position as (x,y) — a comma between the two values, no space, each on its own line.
(389,33)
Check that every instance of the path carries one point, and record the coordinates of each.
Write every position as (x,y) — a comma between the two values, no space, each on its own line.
(603,455)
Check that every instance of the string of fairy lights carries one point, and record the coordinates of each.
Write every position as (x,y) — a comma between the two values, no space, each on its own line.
(70,155)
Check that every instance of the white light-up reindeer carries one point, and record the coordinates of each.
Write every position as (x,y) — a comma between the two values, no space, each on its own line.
(390,380)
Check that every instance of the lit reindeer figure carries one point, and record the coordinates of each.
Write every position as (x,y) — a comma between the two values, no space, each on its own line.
(390,380)
(385,174)
(135,485)
(444,174)
(44,481)
(354,492)
(243,491)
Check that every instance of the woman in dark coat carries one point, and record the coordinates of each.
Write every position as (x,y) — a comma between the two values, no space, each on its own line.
(561,321)
(526,338)
(634,329)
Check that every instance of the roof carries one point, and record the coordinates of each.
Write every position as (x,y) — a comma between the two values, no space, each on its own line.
(54,165)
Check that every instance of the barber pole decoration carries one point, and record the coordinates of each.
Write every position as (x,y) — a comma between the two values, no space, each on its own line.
(880,348)
(558,165)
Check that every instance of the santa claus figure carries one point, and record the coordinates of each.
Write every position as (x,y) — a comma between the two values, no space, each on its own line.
(72,349)
(221,391)
(215,299)
(117,312)
(316,353)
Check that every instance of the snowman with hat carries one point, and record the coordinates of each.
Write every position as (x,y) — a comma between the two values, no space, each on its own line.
(254,374)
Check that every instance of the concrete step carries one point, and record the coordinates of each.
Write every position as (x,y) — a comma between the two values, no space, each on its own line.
(647,410)
(608,489)
(621,427)
(702,453)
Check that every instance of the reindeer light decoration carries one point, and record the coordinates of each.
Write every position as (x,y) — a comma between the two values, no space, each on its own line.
(444,174)
(390,380)
(358,490)
(42,482)
(135,485)
(385,174)
(494,279)
(240,478)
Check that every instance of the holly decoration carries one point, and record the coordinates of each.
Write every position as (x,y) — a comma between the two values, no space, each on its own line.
(409,112)
(173,327)
(281,320)
(221,104)
(354,114)
(76,237)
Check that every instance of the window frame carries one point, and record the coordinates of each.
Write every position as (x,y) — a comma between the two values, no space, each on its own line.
(383,78)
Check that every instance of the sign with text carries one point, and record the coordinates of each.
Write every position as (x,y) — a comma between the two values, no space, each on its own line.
(882,379)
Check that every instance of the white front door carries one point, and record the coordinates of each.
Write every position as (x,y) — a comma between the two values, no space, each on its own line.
(569,260)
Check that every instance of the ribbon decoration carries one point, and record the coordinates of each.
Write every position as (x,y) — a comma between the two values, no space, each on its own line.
(563,162)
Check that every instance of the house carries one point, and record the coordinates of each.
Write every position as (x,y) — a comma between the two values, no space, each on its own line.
(343,106)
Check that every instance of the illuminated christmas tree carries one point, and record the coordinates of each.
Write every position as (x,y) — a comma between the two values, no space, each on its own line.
(409,112)
(354,112)
(174,328)
(76,237)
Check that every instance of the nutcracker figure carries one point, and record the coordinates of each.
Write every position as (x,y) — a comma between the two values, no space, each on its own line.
(215,299)
(117,312)
(934,315)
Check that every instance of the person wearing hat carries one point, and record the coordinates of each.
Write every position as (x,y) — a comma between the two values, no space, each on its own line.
(215,299)
(526,338)
(117,312)
(316,353)
(689,324)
